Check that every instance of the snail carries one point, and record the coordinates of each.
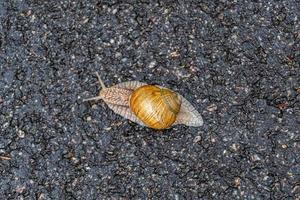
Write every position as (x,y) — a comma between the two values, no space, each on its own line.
(153,106)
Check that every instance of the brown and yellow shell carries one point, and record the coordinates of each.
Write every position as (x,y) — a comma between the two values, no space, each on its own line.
(149,105)
(155,107)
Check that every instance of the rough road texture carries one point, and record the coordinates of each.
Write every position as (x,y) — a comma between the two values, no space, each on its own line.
(236,61)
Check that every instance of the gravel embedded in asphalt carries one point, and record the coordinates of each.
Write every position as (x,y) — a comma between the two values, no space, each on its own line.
(237,62)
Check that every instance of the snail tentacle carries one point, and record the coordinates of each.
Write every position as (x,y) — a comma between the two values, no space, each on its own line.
(100,80)
(103,87)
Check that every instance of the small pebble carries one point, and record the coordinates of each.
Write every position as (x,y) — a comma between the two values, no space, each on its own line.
(107,128)
(212,108)
(197,139)
(21,133)
(237,181)
(152,64)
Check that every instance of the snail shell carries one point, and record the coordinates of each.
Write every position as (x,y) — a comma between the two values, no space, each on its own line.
(149,105)
(156,107)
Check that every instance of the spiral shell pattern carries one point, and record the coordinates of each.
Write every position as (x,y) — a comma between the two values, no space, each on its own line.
(156,107)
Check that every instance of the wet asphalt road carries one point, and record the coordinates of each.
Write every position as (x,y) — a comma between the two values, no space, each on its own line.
(237,62)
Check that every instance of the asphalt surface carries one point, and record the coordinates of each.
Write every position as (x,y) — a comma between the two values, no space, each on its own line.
(237,62)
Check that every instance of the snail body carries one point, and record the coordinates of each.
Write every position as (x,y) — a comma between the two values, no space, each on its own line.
(149,105)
